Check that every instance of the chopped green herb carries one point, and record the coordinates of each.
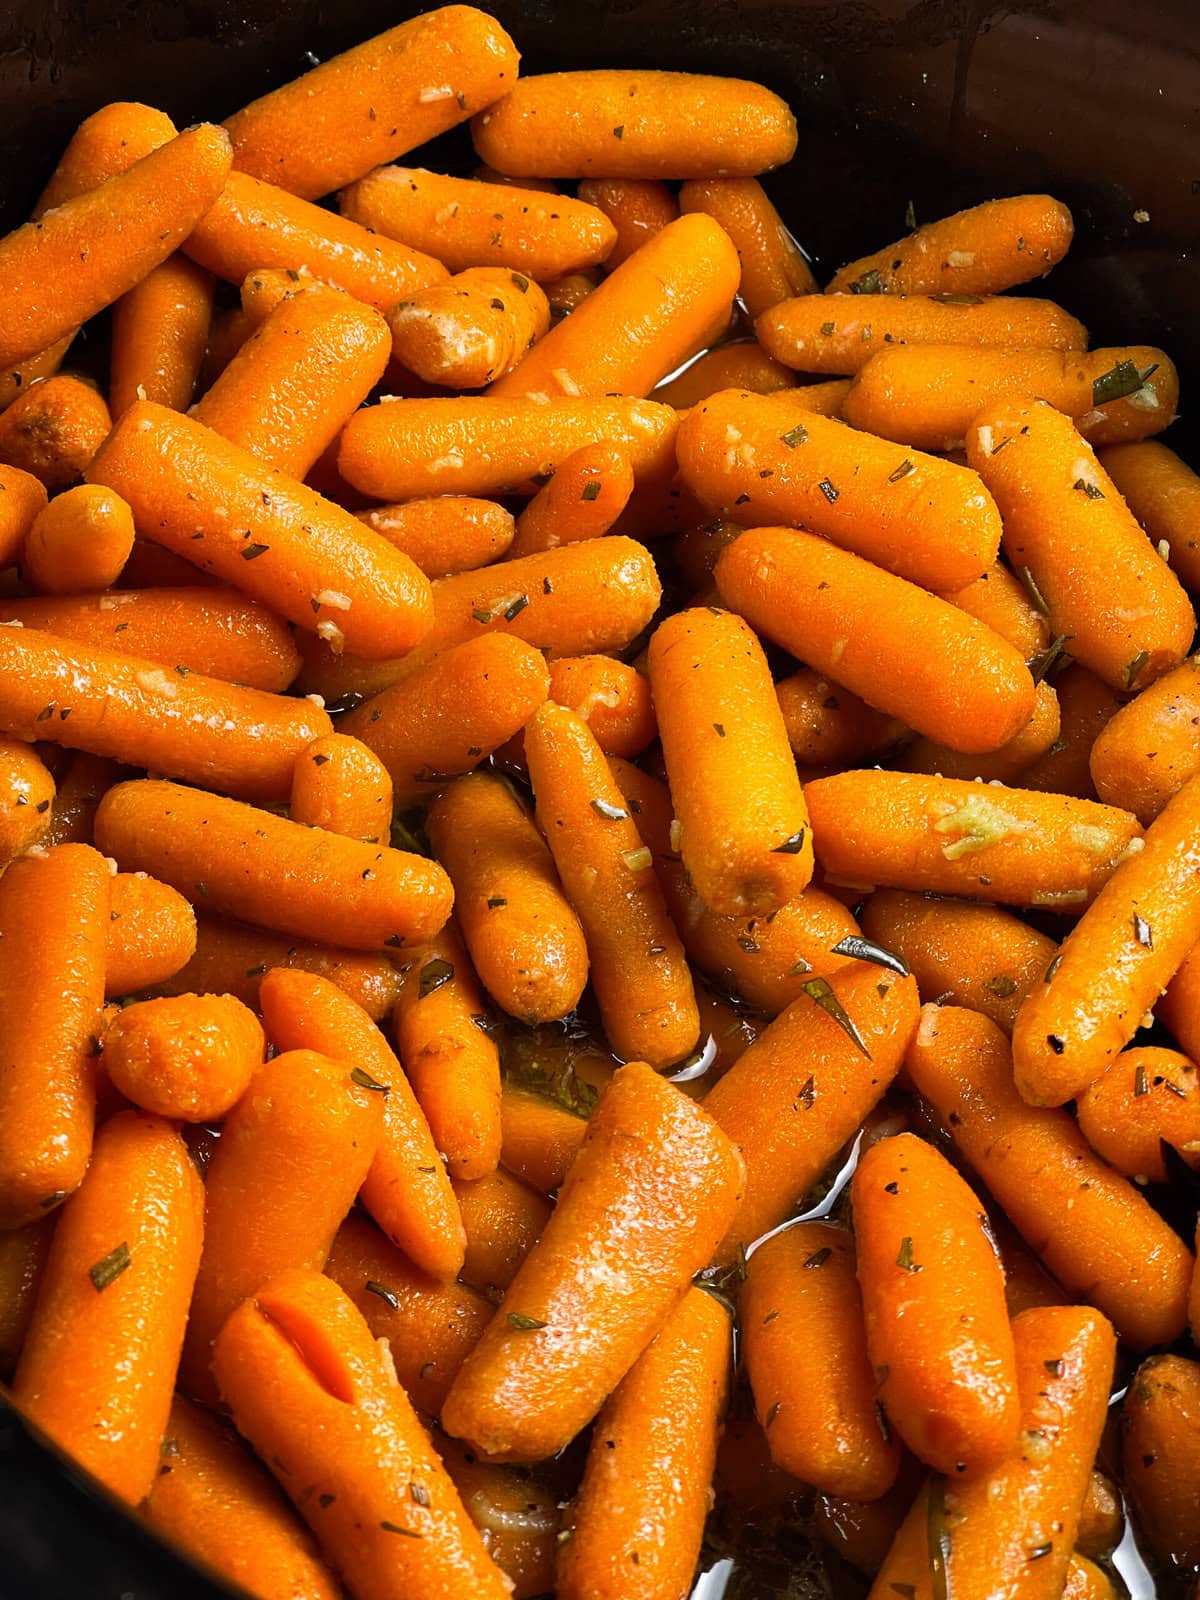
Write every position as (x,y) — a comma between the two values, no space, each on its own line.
(827,329)
(521,282)
(610,813)
(109,1268)
(905,1256)
(819,1257)
(910,222)
(524,1324)
(1118,382)
(1040,1550)
(251,552)
(418,1494)
(772,1414)
(1140,1085)
(1001,986)
(939,1538)
(1134,670)
(482,616)
(392,1527)
(794,436)
(591,490)
(433,975)
(902,471)
(828,490)
(384,1293)
(619,132)
(860,949)
(821,993)
(791,846)
(870,283)
(808,1093)
(1035,594)
(1092,490)
(1041,664)
(1055,1368)
(1052,968)
(516,608)
(495,901)
(719,729)
(364,1080)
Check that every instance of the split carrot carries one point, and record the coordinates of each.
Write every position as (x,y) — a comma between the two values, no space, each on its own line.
(1146,752)
(1163,493)
(742,364)
(827,726)
(638,208)
(27,794)
(242,861)
(442,534)
(1092,1229)
(679,125)
(504,1219)
(773,266)
(1160,1450)
(1147,1096)
(78,794)
(160,331)
(53,430)
(801,1312)
(612,698)
(98,1366)
(1003,603)
(229,513)
(79,543)
(524,939)
(471,330)
(151,935)
(1085,706)
(760,460)
(1005,765)
(582,1309)
(635,1528)
(582,499)
(22,498)
(983,250)
(190,1058)
(23,1253)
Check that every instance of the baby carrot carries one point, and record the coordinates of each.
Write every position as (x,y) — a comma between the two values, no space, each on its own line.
(292,1154)
(679,125)
(567,294)
(442,534)
(1163,493)
(933,1297)
(582,1308)
(902,830)
(1092,1229)
(1005,765)
(151,934)
(1160,1449)
(22,498)
(429,1325)
(742,364)
(190,1058)
(1146,752)
(1101,1518)
(861,1531)
(370,104)
(540,1139)
(612,698)
(98,1366)
(773,266)
(16,379)
(107,142)
(800,1092)
(638,208)
(227,333)
(1003,603)
(1085,705)
(23,1253)
(160,330)
(1100,579)
(79,543)
(583,498)
(644,319)
(801,1312)
(635,1528)
(26,797)
(638,971)
(976,956)
(53,430)
(504,1219)
(466,223)
(440,721)
(517,1509)
(847,618)
(80,787)
(245,862)
(1179,1006)
(341,785)
(297,379)
(827,725)
(759,460)
(743,827)
(1147,1096)
(525,940)
(310,1389)
(231,514)
(983,250)
(840,333)
(452,1064)
(464,333)
(406,1189)
(212,1500)
(1115,962)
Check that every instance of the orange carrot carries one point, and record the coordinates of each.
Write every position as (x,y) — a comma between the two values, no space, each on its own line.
(22,498)
(1160,1449)
(107,142)
(80,542)
(567,294)
(1146,752)
(189,1058)
(160,330)
(1164,495)
(773,266)
(53,430)
(339,784)
(517,1509)
(1085,706)
(151,934)
(464,333)
(638,208)
(16,379)
(504,1219)
(1005,765)
(80,787)
(583,498)
(740,365)
(1101,1518)
(861,1531)
(26,797)
(23,1253)
(1004,604)
(1179,1006)
(612,698)
(227,333)
(827,725)
(444,533)
(1147,1096)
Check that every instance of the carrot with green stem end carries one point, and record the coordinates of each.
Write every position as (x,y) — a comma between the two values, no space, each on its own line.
(160,331)
(638,208)
(583,498)
(444,534)
(504,1219)
(27,794)
(465,333)
(151,934)
(1003,603)
(773,268)
(79,543)
(1093,1230)
(23,1253)
(1005,765)
(612,698)
(1160,1450)
(1163,493)
(827,725)
(54,429)
(190,1059)
(1146,752)
(22,498)
(98,1366)
(1086,705)
(1147,1097)
(742,364)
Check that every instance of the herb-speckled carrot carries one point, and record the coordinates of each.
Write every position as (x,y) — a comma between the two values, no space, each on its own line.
(1147,1096)
(1160,1450)
(54,429)
(189,1058)
(340,784)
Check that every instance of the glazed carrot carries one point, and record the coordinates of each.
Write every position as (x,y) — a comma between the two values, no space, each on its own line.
(452,1064)
(213,631)
(976,956)
(827,725)
(1148,1095)
(1146,752)
(801,1311)
(123,229)
(1101,1518)
(23,1253)
(190,1058)
(107,142)
(584,496)
(1085,705)
(227,333)
(1091,1228)
(567,293)
(933,1298)
(286,393)
(680,125)
(1010,1532)
(485,174)
(406,1190)
(1026,1281)
(98,1365)
(760,460)
(212,1500)
(440,721)
(151,935)
(241,861)
(53,430)
(1005,765)
(310,1389)
(1114,963)
(476,327)
(840,333)
(802,1089)
(160,330)
(982,250)
(611,697)
(635,1528)
(483,445)
(466,223)
(16,379)
(903,830)
(638,208)
(1164,494)
(882,637)
(341,785)
(643,320)
(79,543)
(230,514)
(653,1167)
(638,970)
(22,498)
(26,796)
(517,1509)
(76,798)
(1003,603)
(773,266)
(861,1531)
(504,1219)
(743,827)
(1087,1581)
(292,1154)
(262,290)
(1101,580)
(740,365)
(442,534)
(369,105)
(926,395)
(1160,1449)
(429,1325)
(1179,1005)
(525,940)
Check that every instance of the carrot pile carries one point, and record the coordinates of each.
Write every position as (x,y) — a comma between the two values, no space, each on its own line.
(572,805)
